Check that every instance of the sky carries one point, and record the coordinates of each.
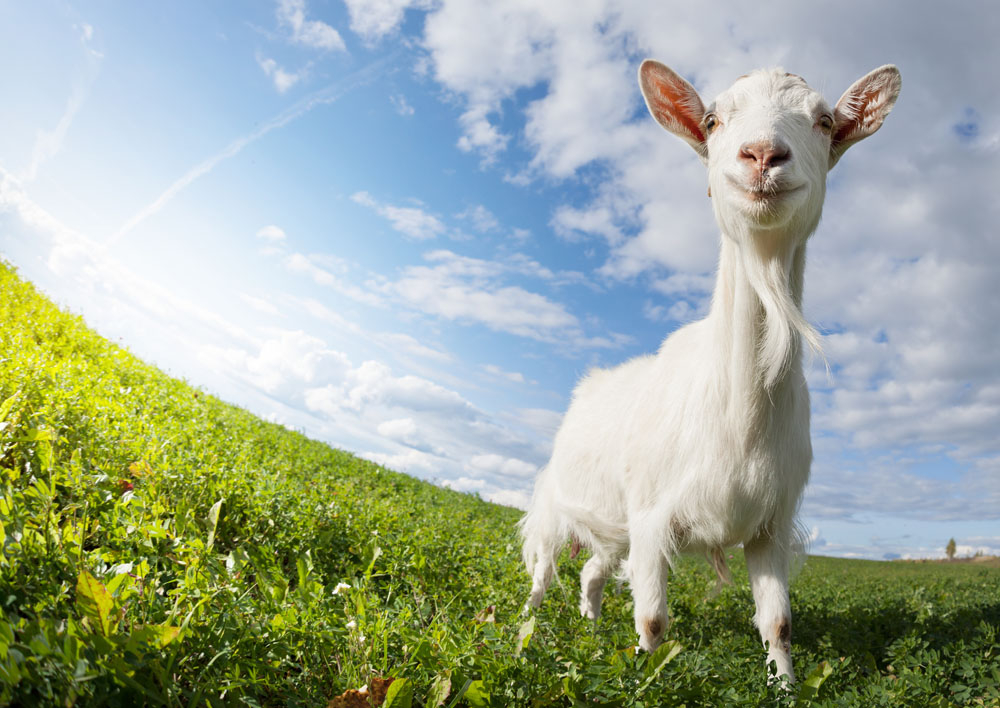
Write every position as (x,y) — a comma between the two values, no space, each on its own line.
(408,228)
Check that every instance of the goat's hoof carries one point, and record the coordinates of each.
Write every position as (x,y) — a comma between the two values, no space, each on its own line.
(651,634)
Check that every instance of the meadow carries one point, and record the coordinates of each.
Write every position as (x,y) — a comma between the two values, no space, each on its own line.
(162,547)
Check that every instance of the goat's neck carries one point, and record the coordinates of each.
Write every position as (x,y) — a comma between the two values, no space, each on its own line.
(756,323)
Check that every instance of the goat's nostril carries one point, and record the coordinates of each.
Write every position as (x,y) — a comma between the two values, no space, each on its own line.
(779,155)
(765,154)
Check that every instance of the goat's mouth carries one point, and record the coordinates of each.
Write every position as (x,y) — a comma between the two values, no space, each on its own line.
(767,192)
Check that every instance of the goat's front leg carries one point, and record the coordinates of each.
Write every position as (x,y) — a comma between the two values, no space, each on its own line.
(767,564)
(647,572)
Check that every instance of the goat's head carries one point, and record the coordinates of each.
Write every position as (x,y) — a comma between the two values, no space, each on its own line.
(768,140)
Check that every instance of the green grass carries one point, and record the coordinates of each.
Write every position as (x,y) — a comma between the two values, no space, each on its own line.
(163,547)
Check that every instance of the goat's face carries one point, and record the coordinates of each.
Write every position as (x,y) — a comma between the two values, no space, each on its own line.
(768,145)
(768,140)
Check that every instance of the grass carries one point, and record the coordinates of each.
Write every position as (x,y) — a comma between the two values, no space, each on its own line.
(163,547)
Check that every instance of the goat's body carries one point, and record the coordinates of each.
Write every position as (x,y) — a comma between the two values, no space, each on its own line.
(686,447)
(706,444)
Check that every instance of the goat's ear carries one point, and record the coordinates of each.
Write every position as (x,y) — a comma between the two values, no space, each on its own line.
(674,103)
(863,107)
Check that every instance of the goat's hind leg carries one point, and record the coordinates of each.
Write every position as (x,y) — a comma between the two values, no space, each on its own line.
(592,579)
(546,554)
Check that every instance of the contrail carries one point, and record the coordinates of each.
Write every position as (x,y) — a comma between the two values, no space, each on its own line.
(327,95)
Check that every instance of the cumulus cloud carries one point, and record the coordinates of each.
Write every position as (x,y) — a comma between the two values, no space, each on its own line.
(481,218)
(517,498)
(465,484)
(310,33)
(401,429)
(285,362)
(494,464)
(283,80)
(411,461)
(374,19)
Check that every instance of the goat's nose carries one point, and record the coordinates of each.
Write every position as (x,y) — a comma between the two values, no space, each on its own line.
(765,154)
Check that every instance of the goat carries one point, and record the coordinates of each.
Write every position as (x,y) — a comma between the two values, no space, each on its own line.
(705,445)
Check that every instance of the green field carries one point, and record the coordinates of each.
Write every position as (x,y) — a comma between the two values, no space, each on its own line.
(163,547)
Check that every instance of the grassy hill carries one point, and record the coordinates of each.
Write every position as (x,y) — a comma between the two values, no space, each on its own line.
(163,547)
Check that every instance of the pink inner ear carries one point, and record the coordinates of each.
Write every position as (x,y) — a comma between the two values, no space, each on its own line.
(672,104)
(862,114)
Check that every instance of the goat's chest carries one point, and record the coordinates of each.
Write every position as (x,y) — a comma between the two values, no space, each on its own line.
(760,480)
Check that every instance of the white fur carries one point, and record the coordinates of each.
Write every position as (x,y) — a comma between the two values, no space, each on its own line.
(705,444)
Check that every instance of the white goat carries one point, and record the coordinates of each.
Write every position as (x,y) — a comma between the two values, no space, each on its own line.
(706,444)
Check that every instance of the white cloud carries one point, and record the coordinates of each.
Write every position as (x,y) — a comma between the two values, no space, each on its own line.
(494,370)
(374,19)
(372,383)
(394,342)
(481,218)
(544,421)
(475,291)
(399,102)
(404,342)
(480,135)
(494,464)
(569,222)
(469,290)
(283,80)
(310,33)
(465,484)
(412,222)
(400,429)
(411,461)
(517,498)
(284,363)
(678,312)
(815,538)
(272,233)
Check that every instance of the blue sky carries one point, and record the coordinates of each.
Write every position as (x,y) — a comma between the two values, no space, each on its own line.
(408,228)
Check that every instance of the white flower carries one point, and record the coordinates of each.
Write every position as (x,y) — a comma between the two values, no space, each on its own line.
(340,588)
(352,624)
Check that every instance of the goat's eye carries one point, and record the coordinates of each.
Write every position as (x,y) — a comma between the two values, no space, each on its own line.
(826,123)
(711,122)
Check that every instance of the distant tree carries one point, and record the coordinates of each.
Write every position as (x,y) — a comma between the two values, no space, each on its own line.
(950,549)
